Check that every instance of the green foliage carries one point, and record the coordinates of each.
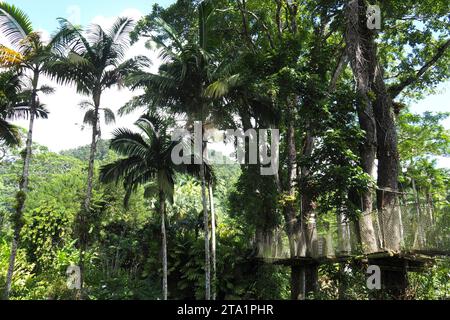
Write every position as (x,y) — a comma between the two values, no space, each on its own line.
(46,234)
(82,153)
(233,64)
(432,284)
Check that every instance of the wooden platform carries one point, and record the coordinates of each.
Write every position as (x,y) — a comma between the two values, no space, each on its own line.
(414,260)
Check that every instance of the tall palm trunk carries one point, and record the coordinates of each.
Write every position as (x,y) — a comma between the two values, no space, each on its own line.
(93,151)
(206,230)
(162,209)
(89,188)
(23,187)
(213,242)
(202,152)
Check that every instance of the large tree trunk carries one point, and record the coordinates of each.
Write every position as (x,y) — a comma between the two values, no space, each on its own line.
(308,217)
(365,54)
(297,282)
(394,278)
(377,119)
(388,164)
(213,243)
(358,39)
(162,209)
(206,230)
(23,187)
(293,223)
(296,236)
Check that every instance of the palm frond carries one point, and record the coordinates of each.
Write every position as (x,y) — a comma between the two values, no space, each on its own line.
(9,134)
(15,25)
(75,39)
(95,34)
(121,29)
(86,104)
(90,117)
(110,118)
(45,89)
(128,143)
(220,88)
(64,37)
(152,124)
(150,190)
(22,111)
(119,35)
(167,183)
(171,33)
(132,105)
(73,69)
(114,172)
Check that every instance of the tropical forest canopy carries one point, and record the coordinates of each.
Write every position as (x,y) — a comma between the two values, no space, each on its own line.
(358,182)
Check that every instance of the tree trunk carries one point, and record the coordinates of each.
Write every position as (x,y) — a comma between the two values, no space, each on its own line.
(293,224)
(213,243)
(364,50)
(162,209)
(295,230)
(358,39)
(206,229)
(297,282)
(394,278)
(308,220)
(311,279)
(388,168)
(342,289)
(89,188)
(23,187)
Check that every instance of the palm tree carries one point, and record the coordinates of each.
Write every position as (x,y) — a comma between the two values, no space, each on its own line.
(147,158)
(14,104)
(213,239)
(189,82)
(89,116)
(10,87)
(30,55)
(94,64)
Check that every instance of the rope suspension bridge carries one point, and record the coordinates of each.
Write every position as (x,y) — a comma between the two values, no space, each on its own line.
(424,237)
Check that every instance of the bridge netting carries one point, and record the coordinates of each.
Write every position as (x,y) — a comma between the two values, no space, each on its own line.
(421,228)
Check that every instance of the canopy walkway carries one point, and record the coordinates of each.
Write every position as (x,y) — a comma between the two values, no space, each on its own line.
(425,236)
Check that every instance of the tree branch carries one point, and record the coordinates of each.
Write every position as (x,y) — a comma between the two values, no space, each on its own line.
(396,89)
(342,63)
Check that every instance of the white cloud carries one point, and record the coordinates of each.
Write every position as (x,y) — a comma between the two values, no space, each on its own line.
(63,128)
(107,22)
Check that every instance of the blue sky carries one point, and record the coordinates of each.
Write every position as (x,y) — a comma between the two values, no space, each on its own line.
(43,13)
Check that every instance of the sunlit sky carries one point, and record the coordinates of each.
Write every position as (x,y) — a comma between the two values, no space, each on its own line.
(62,130)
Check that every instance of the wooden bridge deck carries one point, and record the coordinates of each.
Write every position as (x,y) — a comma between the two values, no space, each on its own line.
(413,260)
